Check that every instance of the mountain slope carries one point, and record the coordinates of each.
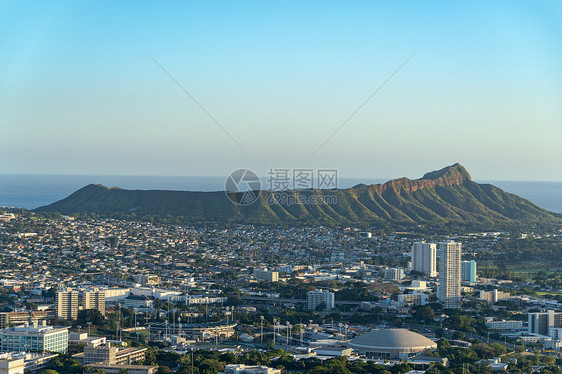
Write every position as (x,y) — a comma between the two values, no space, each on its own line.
(446,196)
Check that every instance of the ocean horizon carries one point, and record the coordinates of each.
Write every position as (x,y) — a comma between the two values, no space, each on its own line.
(31,191)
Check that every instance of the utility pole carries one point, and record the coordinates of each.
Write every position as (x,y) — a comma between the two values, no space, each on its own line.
(261,332)
(274,333)
(118,327)
(135,312)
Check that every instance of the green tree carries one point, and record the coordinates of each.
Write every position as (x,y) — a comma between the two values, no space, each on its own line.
(424,313)
(48,371)
(164,370)
(89,315)
(459,335)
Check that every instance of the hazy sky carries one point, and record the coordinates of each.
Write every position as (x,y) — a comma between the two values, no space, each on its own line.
(80,94)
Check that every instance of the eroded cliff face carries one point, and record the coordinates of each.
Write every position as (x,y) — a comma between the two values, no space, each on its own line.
(451,175)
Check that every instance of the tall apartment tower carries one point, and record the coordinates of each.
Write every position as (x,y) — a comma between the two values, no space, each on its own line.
(545,323)
(468,272)
(67,304)
(315,298)
(449,289)
(424,258)
(95,299)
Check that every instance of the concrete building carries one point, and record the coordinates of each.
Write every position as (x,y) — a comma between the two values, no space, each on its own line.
(424,258)
(315,298)
(83,338)
(333,351)
(211,331)
(391,344)
(137,302)
(21,362)
(130,369)
(285,269)
(147,280)
(19,318)
(246,369)
(555,333)
(504,325)
(204,300)
(12,366)
(7,217)
(449,289)
(67,304)
(542,322)
(395,274)
(494,296)
(115,294)
(411,299)
(265,275)
(468,271)
(366,235)
(417,285)
(109,354)
(36,338)
(95,299)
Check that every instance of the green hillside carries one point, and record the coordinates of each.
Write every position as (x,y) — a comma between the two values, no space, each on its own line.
(446,196)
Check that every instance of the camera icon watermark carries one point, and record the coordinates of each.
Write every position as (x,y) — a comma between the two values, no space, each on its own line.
(243,187)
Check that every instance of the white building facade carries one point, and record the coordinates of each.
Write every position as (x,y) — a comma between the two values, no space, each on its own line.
(449,289)
(424,258)
(315,298)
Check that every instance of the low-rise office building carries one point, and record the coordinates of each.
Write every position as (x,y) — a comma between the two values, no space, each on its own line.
(110,355)
(19,363)
(130,369)
(19,318)
(246,369)
(411,299)
(35,338)
(504,325)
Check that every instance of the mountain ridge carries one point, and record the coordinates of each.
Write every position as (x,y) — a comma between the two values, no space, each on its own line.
(445,196)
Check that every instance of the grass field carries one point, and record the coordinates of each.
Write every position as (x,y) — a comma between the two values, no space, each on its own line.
(554,293)
(532,268)
(526,270)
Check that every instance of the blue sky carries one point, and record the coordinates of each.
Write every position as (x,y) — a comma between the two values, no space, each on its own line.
(79,93)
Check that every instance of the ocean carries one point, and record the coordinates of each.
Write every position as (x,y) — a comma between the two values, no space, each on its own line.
(32,191)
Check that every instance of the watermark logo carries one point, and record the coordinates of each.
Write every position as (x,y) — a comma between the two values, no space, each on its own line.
(286,198)
(286,186)
(243,187)
(281,179)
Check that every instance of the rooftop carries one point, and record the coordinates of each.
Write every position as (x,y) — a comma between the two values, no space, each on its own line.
(392,339)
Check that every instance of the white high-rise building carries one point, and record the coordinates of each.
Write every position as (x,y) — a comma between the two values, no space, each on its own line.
(266,275)
(315,298)
(424,258)
(95,299)
(449,289)
(67,304)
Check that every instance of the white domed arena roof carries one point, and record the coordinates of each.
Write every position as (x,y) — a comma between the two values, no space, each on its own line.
(392,339)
